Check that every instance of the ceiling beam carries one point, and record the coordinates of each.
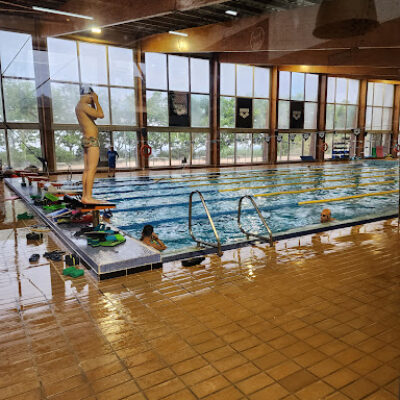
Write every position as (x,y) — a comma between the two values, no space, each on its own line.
(109,13)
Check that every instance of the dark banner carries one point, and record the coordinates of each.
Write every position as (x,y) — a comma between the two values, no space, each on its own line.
(297,115)
(178,104)
(244,112)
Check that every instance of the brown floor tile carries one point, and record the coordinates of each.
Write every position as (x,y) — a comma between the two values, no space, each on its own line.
(272,392)
(164,389)
(270,360)
(315,391)
(186,366)
(225,364)
(365,365)
(383,375)
(285,369)
(298,380)
(254,383)
(341,378)
(359,389)
(324,367)
(230,393)
(241,372)
(382,395)
(155,378)
(212,385)
(199,375)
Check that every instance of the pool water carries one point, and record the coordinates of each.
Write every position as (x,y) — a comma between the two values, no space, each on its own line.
(163,201)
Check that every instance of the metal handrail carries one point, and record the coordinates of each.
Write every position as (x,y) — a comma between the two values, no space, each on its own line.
(198,241)
(248,234)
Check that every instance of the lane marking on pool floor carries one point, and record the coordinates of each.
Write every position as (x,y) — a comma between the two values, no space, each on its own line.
(321,189)
(301,203)
(249,176)
(301,183)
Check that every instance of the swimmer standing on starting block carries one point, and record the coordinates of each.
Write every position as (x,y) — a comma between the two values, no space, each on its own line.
(87,111)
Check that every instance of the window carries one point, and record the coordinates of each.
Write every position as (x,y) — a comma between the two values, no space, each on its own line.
(69,152)
(20,102)
(24,147)
(380,97)
(167,74)
(374,141)
(340,145)
(296,86)
(244,81)
(243,148)
(293,146)
(125,144)
(342,103)
(178,148)
(110,72)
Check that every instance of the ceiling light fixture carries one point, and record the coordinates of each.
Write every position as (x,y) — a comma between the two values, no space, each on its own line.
(51,11)
(178,33)
(231,12)
(96,30)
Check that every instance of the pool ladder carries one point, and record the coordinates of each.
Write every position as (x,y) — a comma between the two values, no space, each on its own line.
(248,234)
(217,245)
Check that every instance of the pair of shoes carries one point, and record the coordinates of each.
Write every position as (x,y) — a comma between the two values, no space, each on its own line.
(55,255)
(73,272)
(34,258)
(34,236)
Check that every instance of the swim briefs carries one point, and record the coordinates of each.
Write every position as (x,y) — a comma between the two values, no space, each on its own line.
(90,141)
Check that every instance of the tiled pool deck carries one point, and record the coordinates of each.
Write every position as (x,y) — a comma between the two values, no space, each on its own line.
(316,317)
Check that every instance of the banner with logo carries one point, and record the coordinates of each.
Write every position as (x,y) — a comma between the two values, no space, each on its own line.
(244,112)
(297,115)
(178,104)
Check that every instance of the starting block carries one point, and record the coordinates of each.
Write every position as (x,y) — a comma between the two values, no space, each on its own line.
(75,203)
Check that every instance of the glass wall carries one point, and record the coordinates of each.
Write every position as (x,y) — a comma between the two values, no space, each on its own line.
(110,72)
(293,146)
(244,103)
(243,148)
(177,94)
(18,87)
(342,103)
(378,119)
(177,148)
(296,86)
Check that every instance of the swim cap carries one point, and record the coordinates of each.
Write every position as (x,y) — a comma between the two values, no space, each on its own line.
(86,90)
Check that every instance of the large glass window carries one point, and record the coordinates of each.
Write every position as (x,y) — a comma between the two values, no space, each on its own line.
(244,81)
(341,145)
(167,74)
(178,148)
(294,146)
(342,103)
(379,116)
(69,152)
(20,102)
(297,86)
(24,147)
(125,143)
(243,148)
(110,72)
(377,144)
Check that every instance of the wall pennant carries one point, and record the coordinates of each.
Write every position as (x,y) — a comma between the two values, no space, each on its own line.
(292,137)
(179,109)
(306,135)
(321,134)
(267,138)
(356,131)
(279,138)
(244,112)
(297,115)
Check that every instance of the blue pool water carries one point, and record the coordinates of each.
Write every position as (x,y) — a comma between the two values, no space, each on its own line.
(162,201)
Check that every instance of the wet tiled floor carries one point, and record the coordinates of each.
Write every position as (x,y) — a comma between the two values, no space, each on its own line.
(315,317)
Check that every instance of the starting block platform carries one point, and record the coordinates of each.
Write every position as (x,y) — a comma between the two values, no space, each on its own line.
(106,262)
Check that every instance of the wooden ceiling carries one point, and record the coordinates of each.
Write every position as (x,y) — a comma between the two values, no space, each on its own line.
(192,13)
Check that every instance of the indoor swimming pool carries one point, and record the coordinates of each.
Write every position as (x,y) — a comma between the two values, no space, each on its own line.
(285,196)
